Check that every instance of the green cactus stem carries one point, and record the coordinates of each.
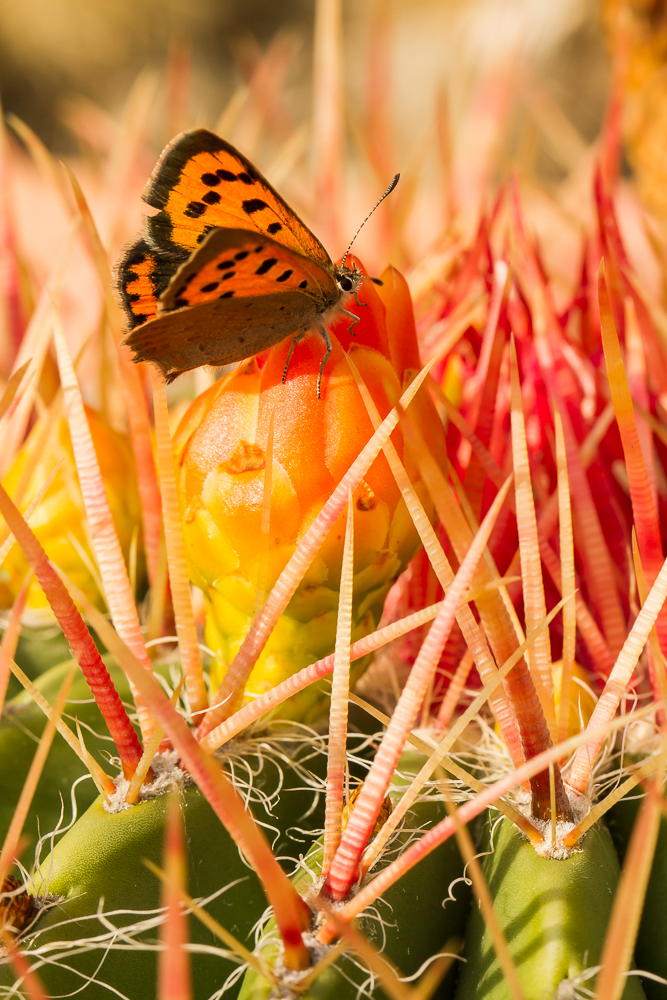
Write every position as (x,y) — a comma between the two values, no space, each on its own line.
(96,879)
(554,914)
(414,921)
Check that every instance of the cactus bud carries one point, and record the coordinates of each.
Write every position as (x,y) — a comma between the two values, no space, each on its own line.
(58,520)
(223,470)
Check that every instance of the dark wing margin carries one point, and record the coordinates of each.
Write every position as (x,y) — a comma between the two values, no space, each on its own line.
(176,154)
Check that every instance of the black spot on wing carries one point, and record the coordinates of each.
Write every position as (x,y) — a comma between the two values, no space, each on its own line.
(225,265)
(211,180)
(226,295)
(266,265)
(227,275)
(194,209)
(303,284)
(252,205)
(211,198)
(211,287)
(241,255)
(168,174)
(285,275)
(274,228)
(175,157)
(180,303)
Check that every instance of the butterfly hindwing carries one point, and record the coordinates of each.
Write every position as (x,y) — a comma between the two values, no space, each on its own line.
(220,331)
(202,182)
(236,263)
(239,294)
(142,275)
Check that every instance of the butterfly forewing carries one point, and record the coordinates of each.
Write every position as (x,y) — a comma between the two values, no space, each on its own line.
(235,263)
(201,182)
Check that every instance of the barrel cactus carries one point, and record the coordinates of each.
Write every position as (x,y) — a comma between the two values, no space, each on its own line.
(364,689)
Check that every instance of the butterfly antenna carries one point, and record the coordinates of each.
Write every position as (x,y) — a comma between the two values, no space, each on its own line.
(377,205)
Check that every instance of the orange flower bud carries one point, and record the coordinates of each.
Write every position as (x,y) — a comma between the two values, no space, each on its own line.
(223,466)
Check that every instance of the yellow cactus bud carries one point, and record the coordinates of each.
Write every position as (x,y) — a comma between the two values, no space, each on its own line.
(59,520)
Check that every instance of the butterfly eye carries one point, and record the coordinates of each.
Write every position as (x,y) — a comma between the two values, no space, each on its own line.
(345,284)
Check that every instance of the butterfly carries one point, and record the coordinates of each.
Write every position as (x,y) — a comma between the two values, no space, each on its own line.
(226,268)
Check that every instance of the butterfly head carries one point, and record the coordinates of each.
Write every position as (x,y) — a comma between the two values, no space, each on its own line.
(348,279)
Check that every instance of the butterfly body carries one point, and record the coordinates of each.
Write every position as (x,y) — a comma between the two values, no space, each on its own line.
(225,269)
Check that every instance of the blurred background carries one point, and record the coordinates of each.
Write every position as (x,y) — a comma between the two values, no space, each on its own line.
(57,56)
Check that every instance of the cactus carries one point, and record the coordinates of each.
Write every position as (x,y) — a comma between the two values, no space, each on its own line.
(320,730)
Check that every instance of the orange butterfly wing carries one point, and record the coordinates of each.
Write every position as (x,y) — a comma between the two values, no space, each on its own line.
(235,262)
(237,295)
(141,276)
(202,182)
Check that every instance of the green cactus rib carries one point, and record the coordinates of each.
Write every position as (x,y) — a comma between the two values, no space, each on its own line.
(651,944)
(38,650)
(554,915)
(413,922)
(100,864)
(21,727)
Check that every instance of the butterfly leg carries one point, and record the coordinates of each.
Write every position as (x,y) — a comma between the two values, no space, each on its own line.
(356,299)
(295,341)
(327,354)
(353,317)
